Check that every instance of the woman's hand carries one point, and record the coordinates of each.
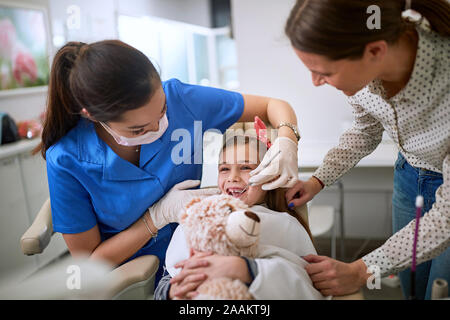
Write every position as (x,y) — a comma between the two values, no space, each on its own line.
(169,207)
(332,277)
(212,266)
(306,189)
(279,163)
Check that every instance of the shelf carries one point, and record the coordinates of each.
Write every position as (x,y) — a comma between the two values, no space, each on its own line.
(12,149)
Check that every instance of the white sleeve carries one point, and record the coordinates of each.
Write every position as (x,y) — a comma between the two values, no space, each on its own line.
(176,251)
(282,276)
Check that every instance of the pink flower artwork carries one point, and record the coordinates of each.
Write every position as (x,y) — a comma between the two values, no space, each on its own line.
(7,38)
(24,66)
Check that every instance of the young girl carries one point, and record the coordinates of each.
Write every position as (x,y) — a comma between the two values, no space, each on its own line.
(284,238)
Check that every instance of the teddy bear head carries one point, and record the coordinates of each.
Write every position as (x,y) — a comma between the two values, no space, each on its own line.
(221,224)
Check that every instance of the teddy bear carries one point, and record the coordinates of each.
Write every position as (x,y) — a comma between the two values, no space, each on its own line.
(223,225)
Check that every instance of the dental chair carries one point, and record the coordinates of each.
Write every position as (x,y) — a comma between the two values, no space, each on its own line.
(132,280)
(136,278)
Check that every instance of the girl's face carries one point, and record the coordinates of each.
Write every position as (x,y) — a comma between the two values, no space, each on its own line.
(235,166)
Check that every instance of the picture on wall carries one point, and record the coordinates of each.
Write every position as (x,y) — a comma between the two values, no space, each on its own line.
(24,47)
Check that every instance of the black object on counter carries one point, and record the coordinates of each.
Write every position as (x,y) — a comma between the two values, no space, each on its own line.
(8,129)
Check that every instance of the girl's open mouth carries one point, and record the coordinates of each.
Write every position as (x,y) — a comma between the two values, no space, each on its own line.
(236,192)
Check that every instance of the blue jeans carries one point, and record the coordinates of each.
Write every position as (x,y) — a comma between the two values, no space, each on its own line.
(410,182)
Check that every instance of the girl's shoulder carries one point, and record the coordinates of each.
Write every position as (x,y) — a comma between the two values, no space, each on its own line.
(262,209)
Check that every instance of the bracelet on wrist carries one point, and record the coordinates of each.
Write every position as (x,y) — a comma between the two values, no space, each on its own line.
(148,228)
(292,127)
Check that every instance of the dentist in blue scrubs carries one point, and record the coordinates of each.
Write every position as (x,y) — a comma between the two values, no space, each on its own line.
(115,190)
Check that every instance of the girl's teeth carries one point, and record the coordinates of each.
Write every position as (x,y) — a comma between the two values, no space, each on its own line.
(237,192)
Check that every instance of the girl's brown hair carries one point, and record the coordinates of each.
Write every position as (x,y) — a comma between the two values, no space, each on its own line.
(337,29)
(107,78)
(275,199)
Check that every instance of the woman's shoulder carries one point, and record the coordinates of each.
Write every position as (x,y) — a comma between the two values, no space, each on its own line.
(66,151)
(172,86)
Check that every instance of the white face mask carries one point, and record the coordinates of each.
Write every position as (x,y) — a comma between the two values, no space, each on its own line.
(149,137)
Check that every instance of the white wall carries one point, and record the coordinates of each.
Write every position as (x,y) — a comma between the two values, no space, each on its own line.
(188,11)
(268,66)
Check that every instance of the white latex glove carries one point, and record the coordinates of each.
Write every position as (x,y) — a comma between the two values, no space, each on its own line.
(279,161)
(169,207)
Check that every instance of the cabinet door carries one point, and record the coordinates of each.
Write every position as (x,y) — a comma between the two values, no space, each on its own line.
(14,220)
(34,172)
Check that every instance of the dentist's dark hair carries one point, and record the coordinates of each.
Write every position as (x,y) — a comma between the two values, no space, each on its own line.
(337,29)
(107,78)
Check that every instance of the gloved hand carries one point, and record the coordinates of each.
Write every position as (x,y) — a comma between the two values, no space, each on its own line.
(280,161)
(169,207)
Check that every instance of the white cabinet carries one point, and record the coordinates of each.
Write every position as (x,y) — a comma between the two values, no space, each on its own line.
(23,190)
(14,218)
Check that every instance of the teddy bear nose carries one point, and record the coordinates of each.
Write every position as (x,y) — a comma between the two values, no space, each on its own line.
(252,216)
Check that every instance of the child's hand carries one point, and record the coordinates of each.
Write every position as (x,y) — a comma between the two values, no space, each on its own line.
(213,266)
(186,289)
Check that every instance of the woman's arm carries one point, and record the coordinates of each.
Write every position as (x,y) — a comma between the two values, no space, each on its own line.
(279,167)
(270,110)
(116,249)
(338,278)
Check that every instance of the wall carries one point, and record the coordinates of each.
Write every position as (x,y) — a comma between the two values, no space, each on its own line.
(268,66)
(188,11)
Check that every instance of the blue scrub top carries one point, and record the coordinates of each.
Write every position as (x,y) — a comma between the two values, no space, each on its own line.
(91,185)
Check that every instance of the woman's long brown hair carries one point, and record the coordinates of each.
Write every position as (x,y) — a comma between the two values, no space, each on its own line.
(276,200)
(337,29)
(107,78)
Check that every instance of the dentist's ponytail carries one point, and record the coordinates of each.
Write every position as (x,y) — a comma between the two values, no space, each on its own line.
(107,78)
(63,112)
(337,29)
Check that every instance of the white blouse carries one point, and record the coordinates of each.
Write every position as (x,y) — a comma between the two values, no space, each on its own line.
(418,120)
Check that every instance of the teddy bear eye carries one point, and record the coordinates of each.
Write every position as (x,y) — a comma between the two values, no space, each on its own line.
(231,208)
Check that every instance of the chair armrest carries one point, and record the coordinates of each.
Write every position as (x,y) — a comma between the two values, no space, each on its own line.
(38,235)
(128,276)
